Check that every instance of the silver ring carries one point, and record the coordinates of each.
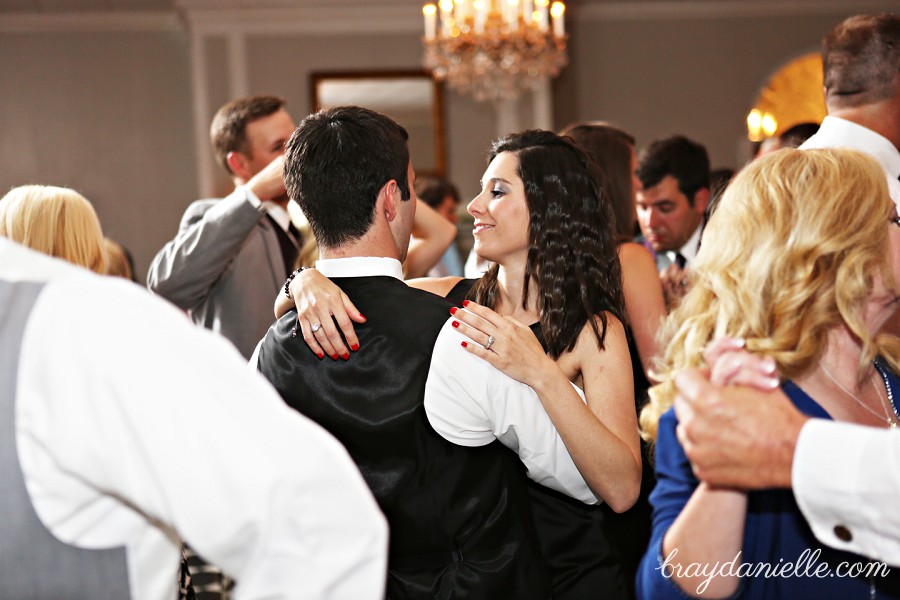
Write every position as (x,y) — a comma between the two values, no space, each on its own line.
(314,327)
(490,342)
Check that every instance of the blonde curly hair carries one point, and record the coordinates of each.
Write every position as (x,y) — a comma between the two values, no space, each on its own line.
(790,252)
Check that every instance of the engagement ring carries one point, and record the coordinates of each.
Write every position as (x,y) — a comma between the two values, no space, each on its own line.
(490,342)
(315,327)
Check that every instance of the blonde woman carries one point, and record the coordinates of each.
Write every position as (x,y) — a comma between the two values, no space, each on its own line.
(801,260)
(56,221)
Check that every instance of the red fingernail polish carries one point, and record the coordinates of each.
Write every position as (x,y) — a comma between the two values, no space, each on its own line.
(320,355)
(334,357)
(346,356)
(455,323)
(354,347)
(453,310)
(361,316)
(465,345)
(465,302)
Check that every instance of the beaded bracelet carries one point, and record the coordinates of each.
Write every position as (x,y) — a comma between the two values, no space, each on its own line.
(287,284)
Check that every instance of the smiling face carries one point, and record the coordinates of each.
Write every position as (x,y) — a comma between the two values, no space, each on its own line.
(501,213)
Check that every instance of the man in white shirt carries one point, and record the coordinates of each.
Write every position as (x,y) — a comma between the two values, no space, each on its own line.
(861,58)
(845,477)
(674,175)
(106,391)
(671,202)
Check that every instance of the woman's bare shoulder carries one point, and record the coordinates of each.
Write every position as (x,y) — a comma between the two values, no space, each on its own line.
(436,285)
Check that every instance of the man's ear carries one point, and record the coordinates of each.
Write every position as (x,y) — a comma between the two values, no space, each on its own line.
(389,198)
(237,162)
(701,200)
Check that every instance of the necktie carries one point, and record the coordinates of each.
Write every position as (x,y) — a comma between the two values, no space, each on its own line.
(680,260)
(289,243)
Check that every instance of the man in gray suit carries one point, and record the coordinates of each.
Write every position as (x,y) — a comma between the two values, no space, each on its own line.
(231,255)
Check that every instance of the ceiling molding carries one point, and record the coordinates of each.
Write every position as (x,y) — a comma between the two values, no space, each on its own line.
(223,17)
(312,19)
(92,22)
(718,9)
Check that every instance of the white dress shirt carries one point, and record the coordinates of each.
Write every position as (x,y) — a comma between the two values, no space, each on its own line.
(846,479)
(689,250)
(136,428)
(470,403)
(836,133)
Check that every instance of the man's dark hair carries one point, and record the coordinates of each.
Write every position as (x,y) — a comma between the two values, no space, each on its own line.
(683,159)
(228,132)
(336,162)
(861,60)
(433,190)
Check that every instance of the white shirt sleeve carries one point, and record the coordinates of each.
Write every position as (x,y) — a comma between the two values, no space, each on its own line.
(846,479)
(133,425)
(470,403)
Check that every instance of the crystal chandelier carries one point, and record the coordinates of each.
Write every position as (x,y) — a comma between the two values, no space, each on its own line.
(494,49)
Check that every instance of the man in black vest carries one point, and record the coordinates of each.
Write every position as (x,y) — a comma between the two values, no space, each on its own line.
(459,515)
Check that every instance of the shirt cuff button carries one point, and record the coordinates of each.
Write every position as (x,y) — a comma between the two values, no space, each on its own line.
(843,533)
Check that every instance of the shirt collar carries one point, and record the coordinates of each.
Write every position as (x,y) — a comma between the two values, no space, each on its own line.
(360,266)
(278,214)
(841,132)
(689,250)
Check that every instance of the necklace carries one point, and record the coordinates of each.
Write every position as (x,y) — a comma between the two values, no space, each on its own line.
(886,415)
(889,402)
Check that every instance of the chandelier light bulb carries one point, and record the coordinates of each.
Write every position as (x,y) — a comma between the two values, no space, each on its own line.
(495,49)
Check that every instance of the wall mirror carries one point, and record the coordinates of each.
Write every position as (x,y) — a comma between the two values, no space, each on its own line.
(412,98)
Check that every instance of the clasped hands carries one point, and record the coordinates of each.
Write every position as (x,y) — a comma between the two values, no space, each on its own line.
(736,427)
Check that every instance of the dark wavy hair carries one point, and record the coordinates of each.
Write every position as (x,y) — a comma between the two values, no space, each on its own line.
(572,253)
(336,162)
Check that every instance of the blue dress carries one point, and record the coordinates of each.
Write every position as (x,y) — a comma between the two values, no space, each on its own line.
(775,533)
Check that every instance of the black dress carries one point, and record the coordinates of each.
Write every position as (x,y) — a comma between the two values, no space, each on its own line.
(584,562)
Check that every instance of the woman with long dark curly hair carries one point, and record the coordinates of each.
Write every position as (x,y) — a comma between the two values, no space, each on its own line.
(548,313)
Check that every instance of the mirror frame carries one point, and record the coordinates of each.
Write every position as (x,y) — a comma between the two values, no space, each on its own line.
(439,169)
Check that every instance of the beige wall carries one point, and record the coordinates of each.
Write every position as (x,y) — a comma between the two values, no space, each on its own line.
(107,114)
(698,77)
(112,113)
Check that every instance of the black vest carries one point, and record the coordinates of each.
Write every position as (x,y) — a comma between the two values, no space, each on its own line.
(461,524)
